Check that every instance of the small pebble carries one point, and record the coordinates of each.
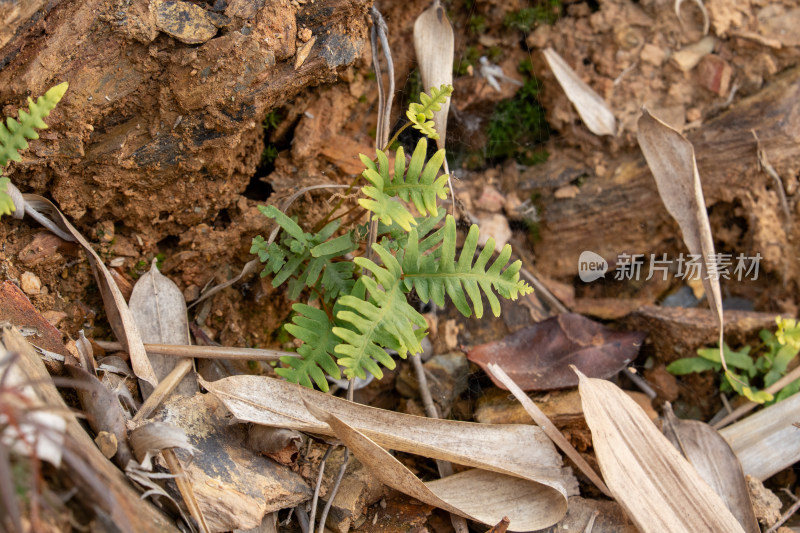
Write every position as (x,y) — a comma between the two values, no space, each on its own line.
(30,283)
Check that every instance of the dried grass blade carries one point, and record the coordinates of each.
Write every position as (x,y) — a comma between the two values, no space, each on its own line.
(117,311)
(716,463)
(658,488)
(590,106)
(671,159)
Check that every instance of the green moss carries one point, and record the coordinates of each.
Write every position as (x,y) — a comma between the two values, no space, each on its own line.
(272,120)
(269,155)
(517,126)
(468,58)
(526,19)
(477,24)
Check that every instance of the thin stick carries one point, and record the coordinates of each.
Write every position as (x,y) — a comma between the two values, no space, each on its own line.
(185,488)
(501,527)
(313,516)
(445,467)
(640,382)
(164,389)
(749,406)
(206,352)
(784,517)
(548,427)
(335,489)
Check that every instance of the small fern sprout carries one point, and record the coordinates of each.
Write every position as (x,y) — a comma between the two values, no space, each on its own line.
(358,310)
(14,135)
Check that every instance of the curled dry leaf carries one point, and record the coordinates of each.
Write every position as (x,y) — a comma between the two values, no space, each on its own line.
(117,311)
(159,309)
(716,463)
(152,437)
(538,357)
(476,494)
(434,44)
(767,442)
(590,106)
(658,488)
(671,159)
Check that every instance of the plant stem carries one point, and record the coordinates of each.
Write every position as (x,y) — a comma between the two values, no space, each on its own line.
(396,135)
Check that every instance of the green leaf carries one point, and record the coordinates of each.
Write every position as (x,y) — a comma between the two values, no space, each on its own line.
(432,277)
(781,361)
(788,390)
(740,359)
(688,365)
(6,203)
(421,114)
(417,185)
(386,321)
(313,327)
(740,385)
(335,247)
(287,224)
(13,133)
(788,332)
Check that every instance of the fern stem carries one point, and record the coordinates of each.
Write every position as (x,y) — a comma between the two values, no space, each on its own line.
(396,135)
(321,224)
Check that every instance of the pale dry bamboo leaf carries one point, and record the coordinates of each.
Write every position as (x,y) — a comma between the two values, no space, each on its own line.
(658,488)
(767,441)
(434,45)
(716,463)
(475,494)
(158,307)
(671,159)
(117,311)
(592,109)
(273,402)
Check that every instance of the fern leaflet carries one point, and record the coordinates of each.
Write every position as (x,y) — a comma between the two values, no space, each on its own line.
(13,133)
(417,185)
(313,327)
(421,115)
(431,278)
(387,321)
(6,203)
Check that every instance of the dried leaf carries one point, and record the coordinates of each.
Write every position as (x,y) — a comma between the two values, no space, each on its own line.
(475,494)
(766,442)
(658,488)
(670,157)
(590,106)
(272,402)
(117,312)
(279,444)
(714,460)
(158,307)
(538,357)
(434,46)
(152,437)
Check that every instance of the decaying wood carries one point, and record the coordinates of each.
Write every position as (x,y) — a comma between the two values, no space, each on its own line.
(620,211)
(128,510)
(148,116)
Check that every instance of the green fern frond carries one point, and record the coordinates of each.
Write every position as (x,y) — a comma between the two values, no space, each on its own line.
(13,133)
(388,321)
(302,257)
(421,115)
(432,279)
(6,203)
(313,327)
(416,184)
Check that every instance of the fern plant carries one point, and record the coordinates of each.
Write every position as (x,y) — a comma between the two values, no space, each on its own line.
(360,300)
(14,135)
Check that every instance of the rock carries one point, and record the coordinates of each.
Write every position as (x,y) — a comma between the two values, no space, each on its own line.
(398,513)
(776,22)
(44,249)
(490,200)
(688,57)
(495,226)
(30,283)
(189,23)
(766,506)
(652,54)
(714,73)
(568,191)
(664,383)
(234,487)
(359,489)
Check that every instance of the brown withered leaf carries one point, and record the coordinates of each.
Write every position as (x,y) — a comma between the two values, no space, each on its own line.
(716,463)
(538,357)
